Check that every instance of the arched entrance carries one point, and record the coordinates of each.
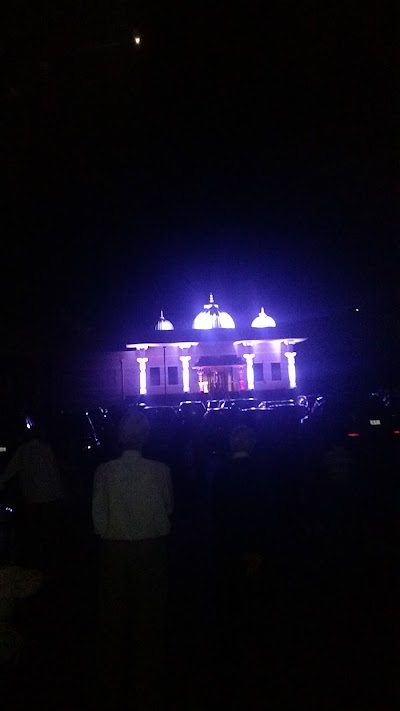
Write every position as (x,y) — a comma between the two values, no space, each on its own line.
(216,374)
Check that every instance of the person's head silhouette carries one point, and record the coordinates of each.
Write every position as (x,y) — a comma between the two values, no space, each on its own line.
(242,439)
(134,430)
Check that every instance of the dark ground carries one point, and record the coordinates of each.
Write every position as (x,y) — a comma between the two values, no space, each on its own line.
(322,620)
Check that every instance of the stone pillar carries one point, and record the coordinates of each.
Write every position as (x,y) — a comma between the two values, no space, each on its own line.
(291,356)
(249,370)
(185,372)
(142,375)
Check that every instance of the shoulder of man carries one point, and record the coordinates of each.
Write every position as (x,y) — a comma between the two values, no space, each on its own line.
(107,467)
(159,468)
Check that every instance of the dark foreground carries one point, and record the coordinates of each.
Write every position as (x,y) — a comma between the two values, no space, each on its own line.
(319,630)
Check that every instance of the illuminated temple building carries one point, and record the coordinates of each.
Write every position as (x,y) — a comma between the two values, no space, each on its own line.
(211,357)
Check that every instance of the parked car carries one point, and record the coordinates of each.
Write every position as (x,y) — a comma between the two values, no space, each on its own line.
(394,405)
(191,411)
(279,421)
(365,419)
(271,404)
(303,401)
(240,403)
(160,415)
(78,449)
(213,404)
(192,406)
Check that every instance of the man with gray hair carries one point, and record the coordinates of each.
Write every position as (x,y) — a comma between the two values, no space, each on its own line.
(131,510)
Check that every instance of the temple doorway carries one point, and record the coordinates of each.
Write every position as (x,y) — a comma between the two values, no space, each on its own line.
(219,379)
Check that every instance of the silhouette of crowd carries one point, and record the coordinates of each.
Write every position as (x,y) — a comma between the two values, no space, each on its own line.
(192,572)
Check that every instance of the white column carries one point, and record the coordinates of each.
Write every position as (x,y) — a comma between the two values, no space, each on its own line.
(291,356)
(185,372)
(249,370)
(142,375)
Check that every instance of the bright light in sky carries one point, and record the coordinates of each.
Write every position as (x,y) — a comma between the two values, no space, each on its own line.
(137,39)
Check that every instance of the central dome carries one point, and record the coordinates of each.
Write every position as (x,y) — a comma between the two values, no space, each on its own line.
(212,317)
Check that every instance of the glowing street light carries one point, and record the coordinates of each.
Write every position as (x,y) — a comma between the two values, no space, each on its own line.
(137,39)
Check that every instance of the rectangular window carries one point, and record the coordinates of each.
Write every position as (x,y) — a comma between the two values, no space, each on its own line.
(276,371)
(155,376)
(258,372)
(172,375)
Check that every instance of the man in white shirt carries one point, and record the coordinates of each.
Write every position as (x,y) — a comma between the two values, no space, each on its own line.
(131,509)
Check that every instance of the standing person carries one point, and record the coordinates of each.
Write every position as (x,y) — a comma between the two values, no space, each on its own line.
(236,497)
(238,503)
(132,506)
(34,466)
(16,583)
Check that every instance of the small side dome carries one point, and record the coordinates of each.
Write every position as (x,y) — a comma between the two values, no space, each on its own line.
(163,324)
(263,320)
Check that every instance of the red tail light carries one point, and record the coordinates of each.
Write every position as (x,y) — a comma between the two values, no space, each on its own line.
(352,434)
(396,432)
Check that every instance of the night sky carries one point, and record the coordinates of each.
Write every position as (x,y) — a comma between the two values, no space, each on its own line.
(249,153)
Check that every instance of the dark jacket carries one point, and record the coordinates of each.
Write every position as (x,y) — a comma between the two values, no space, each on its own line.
(239,507)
